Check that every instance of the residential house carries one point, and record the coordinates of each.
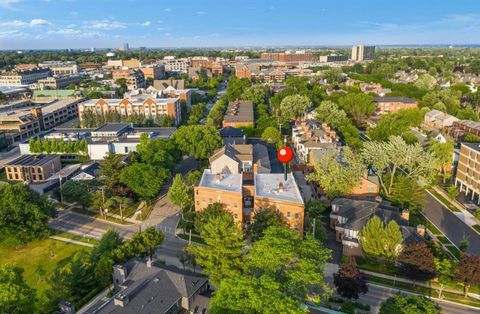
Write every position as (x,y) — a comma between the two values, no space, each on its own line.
(311,135)
(239,114)
(438,119)
(393,104)
(348,217)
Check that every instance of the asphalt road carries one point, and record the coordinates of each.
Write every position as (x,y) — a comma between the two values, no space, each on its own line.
(450,225)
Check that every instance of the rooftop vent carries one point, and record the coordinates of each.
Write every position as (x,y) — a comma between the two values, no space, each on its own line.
(281,187)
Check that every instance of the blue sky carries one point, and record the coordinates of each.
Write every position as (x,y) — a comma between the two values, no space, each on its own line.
(201,23)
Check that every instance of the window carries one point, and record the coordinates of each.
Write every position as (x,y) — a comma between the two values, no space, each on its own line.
(235,204)
(210,201)
(288,214)
(228,204)
(296,215)
(235,216)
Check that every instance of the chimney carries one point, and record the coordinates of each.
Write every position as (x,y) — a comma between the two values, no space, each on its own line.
(421,230)
(406,214)
(281,187)
(149,262)
(121,300)
(218,177)
(119,275)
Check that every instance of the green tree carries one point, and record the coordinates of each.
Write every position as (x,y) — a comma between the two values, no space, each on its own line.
(196,113)
(380,241)
(467,271)
(23,214)
(209,212)
(395,123)
(443,153)
(272,135)
(329,112)
(147,242)
(292,107)
(408,304)
(109,241)
(426,82)
(350,282)
(406,193)
(264,218)
(77,192)
(222,255)
(145,180)
(180,193)
(158,152)
(199,141)
(337,178)
(110,168)
(16,296)
(358,106)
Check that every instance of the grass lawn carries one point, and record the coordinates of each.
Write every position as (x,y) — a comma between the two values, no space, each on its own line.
(38,253)
(97,215)
(445,202)
(443,239)
(74,237)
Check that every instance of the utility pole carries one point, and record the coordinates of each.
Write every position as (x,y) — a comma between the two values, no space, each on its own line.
(61,191)
(314,226)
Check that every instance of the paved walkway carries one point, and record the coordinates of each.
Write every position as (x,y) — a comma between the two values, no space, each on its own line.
(71,241)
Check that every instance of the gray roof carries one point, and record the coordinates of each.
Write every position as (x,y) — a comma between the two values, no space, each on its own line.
(239,111)
(112,127)
(474,146)
(154,289)
(261,158)
(402,99)
(32,160)
(230,131)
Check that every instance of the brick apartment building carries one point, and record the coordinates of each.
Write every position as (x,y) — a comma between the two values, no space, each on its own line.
(239,114)
(32,168)
(393,104)
(467,176)
(147,106)
(155,71)
(311,135)
(23,77)
(239,178)
(134,78)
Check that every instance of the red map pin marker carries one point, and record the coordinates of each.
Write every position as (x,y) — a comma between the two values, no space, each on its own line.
(285,154)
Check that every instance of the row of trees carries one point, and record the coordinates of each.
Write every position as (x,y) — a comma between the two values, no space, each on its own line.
(58,146)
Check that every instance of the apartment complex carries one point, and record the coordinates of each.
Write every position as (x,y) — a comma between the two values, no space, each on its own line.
(438,119)
(467,177)
(288,56)
(239,114)
(333,58)
(240,179)
(23,119)
(176,65)
(134,78)
(363,53)
(155,71)
(393,104)
(61,67)
(310,136)
(32,168)
(141,105)
(23,77)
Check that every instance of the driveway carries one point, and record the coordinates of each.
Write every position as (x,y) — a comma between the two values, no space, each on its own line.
(450,224)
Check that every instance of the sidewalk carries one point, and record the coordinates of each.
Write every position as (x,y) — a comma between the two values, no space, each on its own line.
(463,214)
(71,241)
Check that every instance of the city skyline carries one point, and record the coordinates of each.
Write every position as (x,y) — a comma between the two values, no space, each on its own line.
(56,24)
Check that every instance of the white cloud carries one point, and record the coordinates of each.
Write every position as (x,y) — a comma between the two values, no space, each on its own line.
(39,22)
(168,34)
(8,3)
(167,9)
(10,34)
(75,33)
(196,37)
(146,23)
(106,25)
(200,12)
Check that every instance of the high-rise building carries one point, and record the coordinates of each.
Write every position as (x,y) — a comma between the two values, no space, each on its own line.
(125,46)
(362,53)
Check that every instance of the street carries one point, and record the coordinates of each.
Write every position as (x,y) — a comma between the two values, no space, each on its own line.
(450,224)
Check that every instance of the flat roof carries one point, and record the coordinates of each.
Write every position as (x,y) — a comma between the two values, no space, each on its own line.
(239,111)
(474,146)
(59,104)
(32,160)
(267,185)
(226,182)
(112,127)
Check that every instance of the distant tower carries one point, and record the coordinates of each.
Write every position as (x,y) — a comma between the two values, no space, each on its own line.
(362,53)
(125,46)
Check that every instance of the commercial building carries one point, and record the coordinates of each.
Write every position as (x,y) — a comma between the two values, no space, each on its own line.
(288,56)
(239,114)
(264,75)
(23,77)
(142,287)
(134,78)
(58,82)
(348,217)
(467,177)
(240,179)
(61,67)
(363,53)
(118,138)
(155,108)
(32,168)
(393,104)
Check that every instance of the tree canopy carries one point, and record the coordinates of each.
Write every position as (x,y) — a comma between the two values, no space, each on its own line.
(199,141)
(381,241)
(144,179)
